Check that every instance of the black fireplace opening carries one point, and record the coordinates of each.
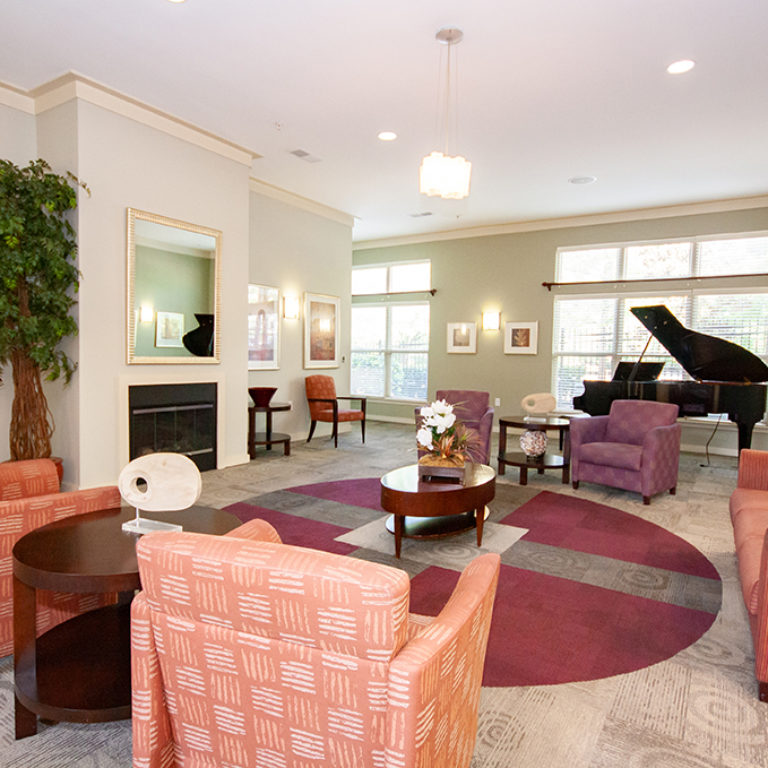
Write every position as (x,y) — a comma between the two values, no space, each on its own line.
(179,418)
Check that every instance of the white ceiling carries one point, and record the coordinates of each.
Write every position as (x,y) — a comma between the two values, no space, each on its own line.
(548,90)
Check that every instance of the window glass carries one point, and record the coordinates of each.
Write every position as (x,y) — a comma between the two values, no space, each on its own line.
(658,260)
(368,373)
(368,280)
(584,325)
(745,256)
(369,328)
(588,265)
(409,375)
(409,327)
(415,276)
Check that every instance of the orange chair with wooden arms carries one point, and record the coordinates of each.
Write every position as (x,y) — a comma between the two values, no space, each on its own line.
(324,406)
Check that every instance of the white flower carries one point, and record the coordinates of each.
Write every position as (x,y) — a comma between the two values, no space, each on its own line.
(427,412)
(442,408)
(444,422)
(424,437)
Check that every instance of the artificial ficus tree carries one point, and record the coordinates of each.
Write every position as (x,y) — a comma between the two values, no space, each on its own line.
(38,282)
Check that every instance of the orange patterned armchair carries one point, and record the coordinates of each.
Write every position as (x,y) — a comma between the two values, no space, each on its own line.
(29,498)
(249,652)
(324,406)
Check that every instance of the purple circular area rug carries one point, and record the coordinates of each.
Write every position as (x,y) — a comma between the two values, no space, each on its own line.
(587,592)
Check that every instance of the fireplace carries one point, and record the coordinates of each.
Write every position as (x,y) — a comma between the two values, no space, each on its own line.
(180,418)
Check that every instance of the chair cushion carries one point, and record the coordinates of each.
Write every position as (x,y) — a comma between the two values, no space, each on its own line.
(346,415)
(619,455)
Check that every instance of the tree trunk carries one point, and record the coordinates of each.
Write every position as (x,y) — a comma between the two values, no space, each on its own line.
(31,419)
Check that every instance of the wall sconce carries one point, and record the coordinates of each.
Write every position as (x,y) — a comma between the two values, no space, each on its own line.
(291,307)
(146,313)
(491,321)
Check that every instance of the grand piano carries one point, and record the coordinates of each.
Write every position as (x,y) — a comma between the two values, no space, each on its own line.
(724,374)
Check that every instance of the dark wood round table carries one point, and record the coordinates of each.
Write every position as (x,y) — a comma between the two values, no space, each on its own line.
(427,509)
(80,670)
(549,460)
(268,437)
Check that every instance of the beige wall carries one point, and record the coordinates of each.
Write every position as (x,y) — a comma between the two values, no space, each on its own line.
(298,251)
(18,143)
(505,272)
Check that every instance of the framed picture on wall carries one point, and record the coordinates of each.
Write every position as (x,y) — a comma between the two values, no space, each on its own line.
(321,331)
(462,338)
(169,328)
(263,327)
(521,338)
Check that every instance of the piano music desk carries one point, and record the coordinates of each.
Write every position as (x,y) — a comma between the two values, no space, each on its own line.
(549,460)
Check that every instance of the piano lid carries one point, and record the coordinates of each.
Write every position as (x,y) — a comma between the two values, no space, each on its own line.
(704,357)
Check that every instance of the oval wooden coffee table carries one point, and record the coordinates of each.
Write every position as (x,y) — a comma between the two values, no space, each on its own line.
(428,509)
(80,670)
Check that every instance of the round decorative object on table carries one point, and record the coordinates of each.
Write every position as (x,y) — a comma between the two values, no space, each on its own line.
(533,442)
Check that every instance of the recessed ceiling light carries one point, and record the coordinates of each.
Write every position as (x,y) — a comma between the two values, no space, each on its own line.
(582,180)
(176,1)
(387,136)
(680,67)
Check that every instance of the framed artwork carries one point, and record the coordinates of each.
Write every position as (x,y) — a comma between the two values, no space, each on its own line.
(462,338)
(321,331)
(169,328)
(521,338)
(263,327)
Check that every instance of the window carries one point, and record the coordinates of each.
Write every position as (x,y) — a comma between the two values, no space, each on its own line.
(390,338)
(594,331)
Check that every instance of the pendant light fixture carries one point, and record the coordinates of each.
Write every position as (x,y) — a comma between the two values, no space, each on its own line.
(440,173)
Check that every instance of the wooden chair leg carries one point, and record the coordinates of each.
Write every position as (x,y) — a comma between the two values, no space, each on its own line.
(335,434)
(646,500)
(673,490)
(362,428)
(311,430)
(575,485)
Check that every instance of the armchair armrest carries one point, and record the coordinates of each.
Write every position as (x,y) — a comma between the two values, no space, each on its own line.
(753,469)
(256,530)
(658,437)
(354,397)
(32,477)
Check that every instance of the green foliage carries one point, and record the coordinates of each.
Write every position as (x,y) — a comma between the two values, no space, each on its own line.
(38,276)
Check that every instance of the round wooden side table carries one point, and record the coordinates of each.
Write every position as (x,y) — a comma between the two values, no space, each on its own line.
(80,670)
(549,460)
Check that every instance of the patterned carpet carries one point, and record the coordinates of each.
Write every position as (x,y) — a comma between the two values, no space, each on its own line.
(587,591)
(696,709)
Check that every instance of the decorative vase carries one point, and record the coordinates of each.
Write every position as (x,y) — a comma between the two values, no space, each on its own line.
(533,443)
(449,469)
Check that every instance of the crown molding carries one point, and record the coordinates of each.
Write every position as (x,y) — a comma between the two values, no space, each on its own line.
(540,225)
(75,86)
(16,98)
(297,201)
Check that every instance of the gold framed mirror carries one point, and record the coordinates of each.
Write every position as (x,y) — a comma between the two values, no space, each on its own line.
(173,302)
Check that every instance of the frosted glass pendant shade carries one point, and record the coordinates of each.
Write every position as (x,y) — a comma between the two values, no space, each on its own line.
(444,176)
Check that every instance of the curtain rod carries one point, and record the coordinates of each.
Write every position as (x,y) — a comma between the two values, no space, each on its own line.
(550,286)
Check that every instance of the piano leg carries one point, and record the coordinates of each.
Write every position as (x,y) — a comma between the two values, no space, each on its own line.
(745,433)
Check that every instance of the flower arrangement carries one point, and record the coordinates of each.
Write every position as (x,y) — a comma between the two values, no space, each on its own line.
(444,437)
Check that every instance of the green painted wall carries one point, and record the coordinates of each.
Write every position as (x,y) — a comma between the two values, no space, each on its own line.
(505,272)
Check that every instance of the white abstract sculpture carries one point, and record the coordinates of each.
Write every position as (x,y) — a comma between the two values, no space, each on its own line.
(539,403)
(159,482)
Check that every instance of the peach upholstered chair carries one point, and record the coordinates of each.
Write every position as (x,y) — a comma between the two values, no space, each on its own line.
(29,498)
(635,447)
(324,406)
(252,652)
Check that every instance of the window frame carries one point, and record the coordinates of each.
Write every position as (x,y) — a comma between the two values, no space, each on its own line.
(388,301)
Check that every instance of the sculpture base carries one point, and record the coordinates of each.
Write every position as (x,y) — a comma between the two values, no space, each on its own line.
(143,525)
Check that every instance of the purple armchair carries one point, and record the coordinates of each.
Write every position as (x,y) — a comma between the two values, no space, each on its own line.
(473,410)
(636,447)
